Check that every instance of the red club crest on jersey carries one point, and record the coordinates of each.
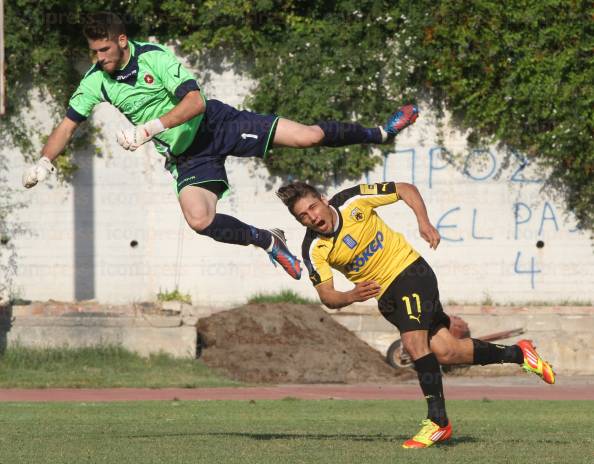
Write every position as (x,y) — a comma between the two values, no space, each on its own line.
(149,79)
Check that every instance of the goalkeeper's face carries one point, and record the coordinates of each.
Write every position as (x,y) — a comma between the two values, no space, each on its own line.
(110,54)
(315,214)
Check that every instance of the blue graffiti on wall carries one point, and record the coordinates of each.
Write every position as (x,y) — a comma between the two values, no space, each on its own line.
(480,166)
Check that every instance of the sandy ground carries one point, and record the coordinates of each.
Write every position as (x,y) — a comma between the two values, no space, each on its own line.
(284,343)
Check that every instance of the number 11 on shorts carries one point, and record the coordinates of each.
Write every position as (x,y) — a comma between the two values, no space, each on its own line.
(409,310)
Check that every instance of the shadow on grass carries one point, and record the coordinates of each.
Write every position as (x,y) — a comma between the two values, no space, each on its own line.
(303,436)
(459,441)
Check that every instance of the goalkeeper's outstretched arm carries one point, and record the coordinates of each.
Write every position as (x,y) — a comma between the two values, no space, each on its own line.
(59,138)
(55,145)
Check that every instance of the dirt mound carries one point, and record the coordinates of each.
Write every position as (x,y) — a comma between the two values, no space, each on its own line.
(285,343)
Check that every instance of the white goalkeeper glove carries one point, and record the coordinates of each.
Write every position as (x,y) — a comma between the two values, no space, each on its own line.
(38,172)
(131,139)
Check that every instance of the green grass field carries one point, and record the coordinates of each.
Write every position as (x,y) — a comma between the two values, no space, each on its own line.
(292,431)
(283,296)
(101,367)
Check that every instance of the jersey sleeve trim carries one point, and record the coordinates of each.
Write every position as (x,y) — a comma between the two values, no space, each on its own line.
(320,281)
(186,87)
(306,246)
(377,190)
(341,197)
(309,242)
(74,115)
(143,47)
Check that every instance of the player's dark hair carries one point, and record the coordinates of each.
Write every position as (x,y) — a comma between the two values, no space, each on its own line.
(103,25)
(289,194)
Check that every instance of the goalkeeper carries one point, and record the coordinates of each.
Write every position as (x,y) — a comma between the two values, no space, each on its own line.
(165,105)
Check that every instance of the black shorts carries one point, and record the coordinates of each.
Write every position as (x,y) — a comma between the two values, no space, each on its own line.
(224,131)
(411,302)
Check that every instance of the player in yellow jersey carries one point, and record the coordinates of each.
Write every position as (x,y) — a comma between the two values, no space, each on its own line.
(346,233)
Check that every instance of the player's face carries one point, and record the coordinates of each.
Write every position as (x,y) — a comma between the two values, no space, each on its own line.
(314,213)
(109,53)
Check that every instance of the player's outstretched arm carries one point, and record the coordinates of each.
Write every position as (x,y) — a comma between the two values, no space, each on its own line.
(411,196)
(335,299)
(191,105)
(58,139)
(55,145)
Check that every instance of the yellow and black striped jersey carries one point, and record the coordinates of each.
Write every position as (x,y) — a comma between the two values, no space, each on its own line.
(363,247)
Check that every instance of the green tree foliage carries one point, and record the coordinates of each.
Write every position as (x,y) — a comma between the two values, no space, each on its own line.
(520,74)
(313,61)
(517,73)
(8,230)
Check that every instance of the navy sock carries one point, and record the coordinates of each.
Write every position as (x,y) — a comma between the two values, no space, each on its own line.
(339,134)
(429,375)
(228,229)
(489,353)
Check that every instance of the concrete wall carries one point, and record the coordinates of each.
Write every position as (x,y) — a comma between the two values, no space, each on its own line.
(134,328)
(563,335)
(77,239)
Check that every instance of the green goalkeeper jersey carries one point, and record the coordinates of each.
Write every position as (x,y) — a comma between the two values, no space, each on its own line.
(151,84)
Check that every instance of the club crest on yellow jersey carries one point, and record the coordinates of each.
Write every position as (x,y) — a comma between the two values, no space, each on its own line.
(357,215)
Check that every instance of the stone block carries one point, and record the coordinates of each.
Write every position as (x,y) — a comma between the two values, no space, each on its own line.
(144,334)
(577,323)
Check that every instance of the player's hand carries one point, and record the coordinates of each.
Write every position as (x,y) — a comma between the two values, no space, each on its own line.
(363,291)
(132,138)
(429,234)
(38,172)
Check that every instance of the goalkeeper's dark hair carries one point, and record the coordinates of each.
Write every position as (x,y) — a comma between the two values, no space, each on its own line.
(289,194)
(103,25)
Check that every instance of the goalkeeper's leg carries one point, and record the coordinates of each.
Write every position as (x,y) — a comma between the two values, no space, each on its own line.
(338,134)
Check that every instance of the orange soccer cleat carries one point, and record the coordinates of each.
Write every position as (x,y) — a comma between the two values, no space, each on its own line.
(534,363)
(429,434)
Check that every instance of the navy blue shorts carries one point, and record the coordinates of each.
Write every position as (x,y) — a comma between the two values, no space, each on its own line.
(224,131)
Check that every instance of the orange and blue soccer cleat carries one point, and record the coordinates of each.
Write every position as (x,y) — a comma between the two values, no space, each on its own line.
(534,363)
(280,254)
(429,434)
(401,119)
